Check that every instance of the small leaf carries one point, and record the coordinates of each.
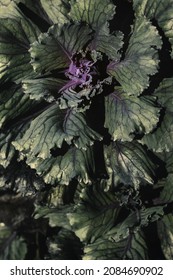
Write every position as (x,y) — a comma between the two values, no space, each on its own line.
(140,58)
(125,115)
(71,99)
(129,164)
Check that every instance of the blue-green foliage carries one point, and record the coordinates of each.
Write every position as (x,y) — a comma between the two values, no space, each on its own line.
(86,128)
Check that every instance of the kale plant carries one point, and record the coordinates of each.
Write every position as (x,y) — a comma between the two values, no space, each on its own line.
(86,119)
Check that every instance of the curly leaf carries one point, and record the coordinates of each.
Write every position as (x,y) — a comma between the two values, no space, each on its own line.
(126,115)
(161,10)
(71,99)
(129,164)
(140,58)
(54,49)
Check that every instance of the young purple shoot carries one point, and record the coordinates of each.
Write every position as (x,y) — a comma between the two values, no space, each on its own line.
(80,74)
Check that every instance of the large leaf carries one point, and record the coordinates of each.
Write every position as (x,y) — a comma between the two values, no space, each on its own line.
(166,195)
(107,43)
(140,58)
(64,246)
(54,49)
(51,128)
(129,164)
(35,6)
(13,103)
(16,34)
(11,246)
(57,216)
(57,10)
(13,210)
(165,232)
(58,195)
(126,115)
(126,239)
(62,169)
(131,248)
(168,158)
(7,151)
(161,10)
(8,9)
(165,93)
(95,13)
(135,221)
(43,88)
(22,180)
(162,138)
(50,89)
(95,214)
